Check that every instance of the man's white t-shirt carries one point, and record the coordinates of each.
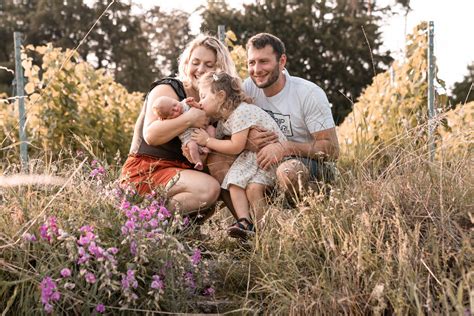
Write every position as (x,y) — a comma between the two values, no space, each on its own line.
(300,109)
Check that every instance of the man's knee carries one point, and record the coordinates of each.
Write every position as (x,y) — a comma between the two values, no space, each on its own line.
(291,174)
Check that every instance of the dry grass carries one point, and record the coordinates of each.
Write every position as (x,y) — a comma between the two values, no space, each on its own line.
(391,238)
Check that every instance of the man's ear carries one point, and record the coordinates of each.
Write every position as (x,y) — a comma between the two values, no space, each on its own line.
(282,61)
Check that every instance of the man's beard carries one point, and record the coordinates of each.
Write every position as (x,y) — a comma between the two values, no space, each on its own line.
(271,80)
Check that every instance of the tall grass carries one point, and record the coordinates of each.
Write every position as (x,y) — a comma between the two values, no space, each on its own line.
(393,236)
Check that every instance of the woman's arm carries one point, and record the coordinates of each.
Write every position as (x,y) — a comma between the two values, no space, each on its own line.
(157,131)
(233,146)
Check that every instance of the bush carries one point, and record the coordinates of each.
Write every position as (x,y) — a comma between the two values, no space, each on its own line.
(70,103)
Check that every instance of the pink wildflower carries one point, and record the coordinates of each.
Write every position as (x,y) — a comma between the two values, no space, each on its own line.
(65,273)
(100,308)
(157,283)
(90,278)
(29,237)
(49,229)
(209,291)
(196,257)
(49,293)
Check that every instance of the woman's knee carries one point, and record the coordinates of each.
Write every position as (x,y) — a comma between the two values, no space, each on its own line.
(210,190)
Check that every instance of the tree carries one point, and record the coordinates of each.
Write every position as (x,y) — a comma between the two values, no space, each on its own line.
(168,34)
(118,41)
(333,43)
(463,91)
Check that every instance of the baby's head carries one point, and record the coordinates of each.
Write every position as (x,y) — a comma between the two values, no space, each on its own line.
(167,108)
(224,93)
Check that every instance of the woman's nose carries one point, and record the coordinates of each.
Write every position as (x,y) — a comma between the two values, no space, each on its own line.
(202,68)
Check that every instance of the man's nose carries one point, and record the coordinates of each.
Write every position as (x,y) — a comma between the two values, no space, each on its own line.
(257,67)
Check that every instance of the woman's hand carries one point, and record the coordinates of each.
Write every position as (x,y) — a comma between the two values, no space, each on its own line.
(260,137)
(196,118)
(201,137)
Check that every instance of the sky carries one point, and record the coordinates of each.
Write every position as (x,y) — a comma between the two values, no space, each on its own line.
(453,29)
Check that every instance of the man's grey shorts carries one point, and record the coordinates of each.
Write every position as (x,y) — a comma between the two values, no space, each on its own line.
(319,170)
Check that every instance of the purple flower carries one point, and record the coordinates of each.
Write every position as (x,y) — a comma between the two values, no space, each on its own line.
(65,273)
(153,223)
(133,248)
(90,278)
(86,229)
(209,291)
(157,283)
(97,172)
(196,257)
(48,308)
(49,229)
(29,237)
(125,205)
(165,212)
(130,225)
(186,221)
(100,308)
(189,279)
(112,250)
(129,280)
(95,250)
(49,293)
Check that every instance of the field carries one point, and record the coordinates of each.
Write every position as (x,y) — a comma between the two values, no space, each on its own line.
(392,235)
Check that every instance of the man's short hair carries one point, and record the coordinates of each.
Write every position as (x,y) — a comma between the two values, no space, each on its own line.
(261,40)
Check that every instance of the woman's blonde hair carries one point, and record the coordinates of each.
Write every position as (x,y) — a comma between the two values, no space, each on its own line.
(223,60)
(232,86)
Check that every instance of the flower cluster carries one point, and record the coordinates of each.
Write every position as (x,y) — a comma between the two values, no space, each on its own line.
(129,282)
(98,171)
(49,230)
(143,224)
(147,229)
(49,294)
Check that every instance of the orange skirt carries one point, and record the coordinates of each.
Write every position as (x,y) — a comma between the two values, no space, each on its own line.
(148,173)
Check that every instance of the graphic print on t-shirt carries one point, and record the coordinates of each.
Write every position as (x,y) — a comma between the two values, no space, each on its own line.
(283,122)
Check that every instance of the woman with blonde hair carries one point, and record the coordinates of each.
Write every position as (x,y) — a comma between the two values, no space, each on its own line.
(156,158)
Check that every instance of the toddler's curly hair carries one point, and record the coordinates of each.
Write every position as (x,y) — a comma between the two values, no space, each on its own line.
(232,86)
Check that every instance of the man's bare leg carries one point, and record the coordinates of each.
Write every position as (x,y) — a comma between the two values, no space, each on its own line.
(256,196)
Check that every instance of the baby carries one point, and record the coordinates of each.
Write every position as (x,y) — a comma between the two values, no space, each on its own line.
(168,108)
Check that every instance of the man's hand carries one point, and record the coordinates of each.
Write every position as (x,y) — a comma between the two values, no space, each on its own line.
(200,136)
(260,137)
(270,155)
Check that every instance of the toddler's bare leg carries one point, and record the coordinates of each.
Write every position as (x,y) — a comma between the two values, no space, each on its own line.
(194,153)
(256,196)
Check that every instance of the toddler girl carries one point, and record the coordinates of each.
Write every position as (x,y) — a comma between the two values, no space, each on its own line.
(222,98)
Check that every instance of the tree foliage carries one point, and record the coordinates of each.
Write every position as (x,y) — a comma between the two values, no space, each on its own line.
(334,44)
(464,90)
(169,32)
(131,46)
